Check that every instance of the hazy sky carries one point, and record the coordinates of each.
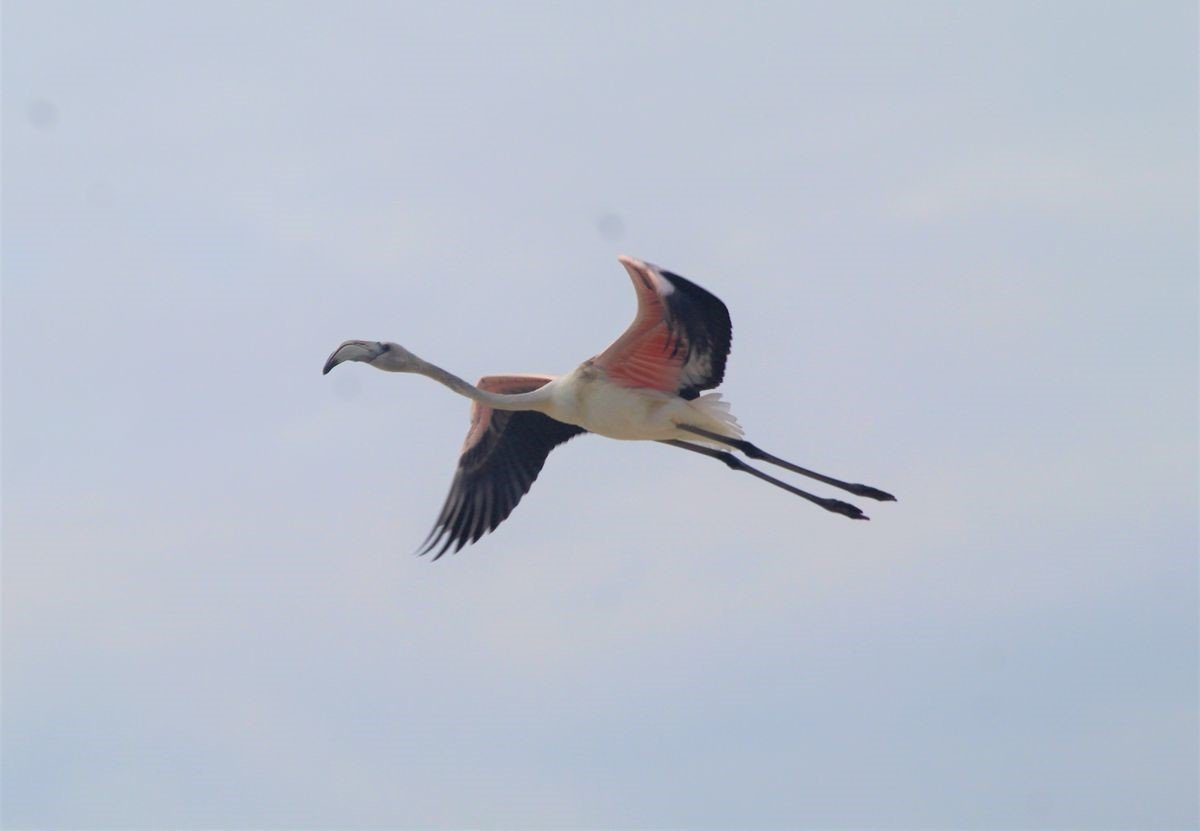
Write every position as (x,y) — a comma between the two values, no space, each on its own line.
(959,245)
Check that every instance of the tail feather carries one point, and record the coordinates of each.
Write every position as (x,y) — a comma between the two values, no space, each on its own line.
(713,406)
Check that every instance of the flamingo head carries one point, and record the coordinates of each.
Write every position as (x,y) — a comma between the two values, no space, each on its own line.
(391,357)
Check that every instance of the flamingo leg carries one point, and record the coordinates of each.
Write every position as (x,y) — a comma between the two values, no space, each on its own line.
(755,452)
(734,463)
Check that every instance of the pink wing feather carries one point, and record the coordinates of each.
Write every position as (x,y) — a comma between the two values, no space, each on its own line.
(678,341)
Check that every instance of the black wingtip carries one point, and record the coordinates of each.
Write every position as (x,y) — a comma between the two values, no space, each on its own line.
(430,541)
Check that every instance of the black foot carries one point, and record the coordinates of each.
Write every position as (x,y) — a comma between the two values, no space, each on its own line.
(843,508)
(871,493)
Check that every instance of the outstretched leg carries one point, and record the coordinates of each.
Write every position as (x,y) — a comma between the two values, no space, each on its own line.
(733,462)
(755,453)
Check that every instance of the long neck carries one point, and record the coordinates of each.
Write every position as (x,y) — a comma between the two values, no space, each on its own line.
(536,400)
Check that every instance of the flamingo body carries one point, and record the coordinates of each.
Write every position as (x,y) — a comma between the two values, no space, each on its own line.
(649,385)
(588,397)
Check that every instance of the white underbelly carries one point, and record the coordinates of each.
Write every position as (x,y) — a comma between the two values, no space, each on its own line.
(621,413)
(617,412)
(587,399)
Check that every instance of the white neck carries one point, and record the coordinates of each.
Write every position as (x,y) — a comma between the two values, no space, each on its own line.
(538,399)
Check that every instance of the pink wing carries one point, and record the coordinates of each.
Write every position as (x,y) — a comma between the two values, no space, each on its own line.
(678,341)
(500,459)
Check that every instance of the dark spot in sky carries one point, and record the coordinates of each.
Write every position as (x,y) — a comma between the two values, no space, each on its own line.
(42,113)
(610,226)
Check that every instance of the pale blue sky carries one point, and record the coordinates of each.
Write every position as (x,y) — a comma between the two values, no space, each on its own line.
(958,242)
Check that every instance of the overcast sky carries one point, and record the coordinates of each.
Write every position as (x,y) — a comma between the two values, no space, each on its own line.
(959,245)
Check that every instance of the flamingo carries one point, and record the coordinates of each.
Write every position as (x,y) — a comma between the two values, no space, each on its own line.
(649,385)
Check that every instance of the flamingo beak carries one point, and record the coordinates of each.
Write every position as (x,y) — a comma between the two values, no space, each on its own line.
(353,350)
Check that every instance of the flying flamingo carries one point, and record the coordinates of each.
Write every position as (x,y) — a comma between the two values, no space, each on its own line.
(647,386)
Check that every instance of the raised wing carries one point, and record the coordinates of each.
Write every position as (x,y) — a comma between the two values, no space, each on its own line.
(501,457)
(679,340)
